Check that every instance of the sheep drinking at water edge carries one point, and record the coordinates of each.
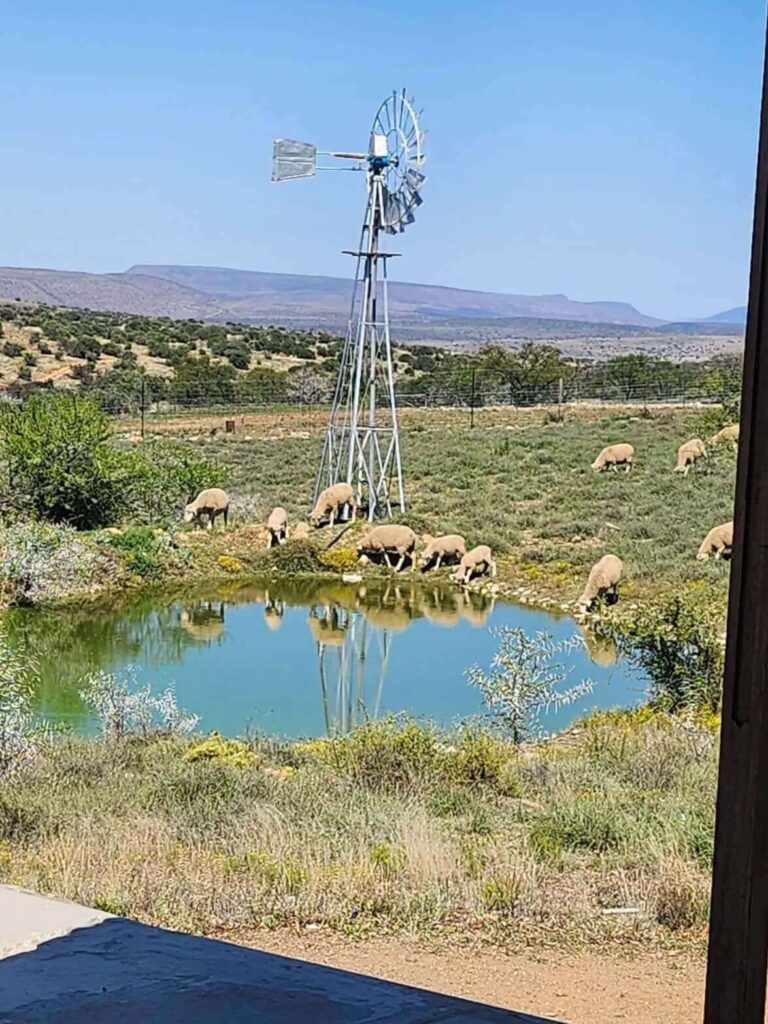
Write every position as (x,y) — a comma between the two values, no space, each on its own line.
(212,502)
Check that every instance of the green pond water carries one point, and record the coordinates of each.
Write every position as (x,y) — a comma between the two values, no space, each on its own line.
(300,659)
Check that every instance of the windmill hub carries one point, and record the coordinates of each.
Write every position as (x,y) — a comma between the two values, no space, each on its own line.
(362,441)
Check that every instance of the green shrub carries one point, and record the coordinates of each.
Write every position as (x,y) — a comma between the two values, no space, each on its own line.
(295,556)
(678,645)
(58,455)
(385,754)
(65,469)
(590,822)
(160,477)
(139,549)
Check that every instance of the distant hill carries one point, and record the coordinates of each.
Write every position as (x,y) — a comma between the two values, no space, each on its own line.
(737,315)
(250,294)
(123,293)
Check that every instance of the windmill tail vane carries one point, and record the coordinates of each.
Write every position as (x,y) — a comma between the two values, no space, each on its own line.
(362,439)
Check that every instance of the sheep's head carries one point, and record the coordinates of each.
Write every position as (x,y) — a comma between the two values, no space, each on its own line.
(189,513)
(702,555)
(598,463)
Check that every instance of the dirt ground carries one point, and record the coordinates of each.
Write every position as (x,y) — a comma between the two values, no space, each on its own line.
(664,988)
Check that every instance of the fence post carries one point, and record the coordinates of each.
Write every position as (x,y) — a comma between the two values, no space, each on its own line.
(560,396)
(143,404)
(472,402)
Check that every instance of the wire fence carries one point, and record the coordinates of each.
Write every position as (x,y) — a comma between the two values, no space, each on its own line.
(468,392)
(472,394)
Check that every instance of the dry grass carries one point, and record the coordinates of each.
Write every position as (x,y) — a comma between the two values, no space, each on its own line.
(389,831)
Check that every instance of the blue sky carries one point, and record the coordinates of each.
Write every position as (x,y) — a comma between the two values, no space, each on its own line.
(604,149)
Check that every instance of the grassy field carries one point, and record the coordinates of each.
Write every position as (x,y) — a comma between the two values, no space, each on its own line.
(601,838)
(521,482)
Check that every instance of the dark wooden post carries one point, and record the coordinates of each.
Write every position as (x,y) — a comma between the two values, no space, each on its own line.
(738,941)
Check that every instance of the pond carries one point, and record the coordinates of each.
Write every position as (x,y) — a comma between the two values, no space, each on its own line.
(302,658)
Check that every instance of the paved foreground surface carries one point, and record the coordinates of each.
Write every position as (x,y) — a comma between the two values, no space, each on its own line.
(64,963)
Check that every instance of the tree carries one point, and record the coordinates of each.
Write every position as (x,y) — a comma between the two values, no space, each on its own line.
(57,451)
(524,680)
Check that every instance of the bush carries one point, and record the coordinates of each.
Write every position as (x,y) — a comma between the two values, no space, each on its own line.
(17,739)
(123,707)
(524,680)
(160,477)
(139,548)
(216,748)
(58,455)
(295,556)
(678,645)
(42,563)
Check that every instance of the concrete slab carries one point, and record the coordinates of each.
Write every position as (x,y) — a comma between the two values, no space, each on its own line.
(64,963)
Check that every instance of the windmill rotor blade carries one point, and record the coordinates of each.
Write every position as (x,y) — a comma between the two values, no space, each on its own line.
(293,159)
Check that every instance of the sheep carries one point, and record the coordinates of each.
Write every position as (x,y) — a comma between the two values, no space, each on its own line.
(613,456)
(277,524)
(331,503)
(730,433)
(212,502)
(477,562)
(451,547)
(386,540)
(718,542)
(603,580)
(688,453)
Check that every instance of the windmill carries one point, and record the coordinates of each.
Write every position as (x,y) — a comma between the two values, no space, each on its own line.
(362,441)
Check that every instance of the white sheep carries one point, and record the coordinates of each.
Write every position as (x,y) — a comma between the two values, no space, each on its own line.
(389,540)
(729,433)
(688,453)
(718,542)
(449,548)
(277,524)
(603,579)
(613,456)
(477,562)
(212,502)
(331,503)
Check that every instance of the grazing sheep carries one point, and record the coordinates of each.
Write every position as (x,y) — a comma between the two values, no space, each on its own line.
(613,456)
(277,524)
(688,453)
(603,579)
(730,433)
(718,542)
(449,548)
(477,562)
(331,503)
(212,502)
(389,540)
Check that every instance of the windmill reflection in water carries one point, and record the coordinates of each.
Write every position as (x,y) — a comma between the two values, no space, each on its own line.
(354,641)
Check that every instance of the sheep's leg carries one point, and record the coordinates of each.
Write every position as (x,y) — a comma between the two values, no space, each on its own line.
(439,560)
(401,562)
(493,570)
(333,511)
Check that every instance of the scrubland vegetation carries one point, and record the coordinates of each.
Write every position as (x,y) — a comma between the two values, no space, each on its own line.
(603,837)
